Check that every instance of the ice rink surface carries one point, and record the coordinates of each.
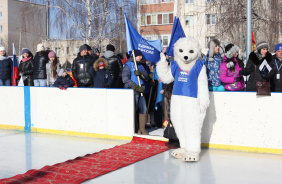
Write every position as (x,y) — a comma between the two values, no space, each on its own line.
(20,152)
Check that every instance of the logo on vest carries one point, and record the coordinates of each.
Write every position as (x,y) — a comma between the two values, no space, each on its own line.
(183,75)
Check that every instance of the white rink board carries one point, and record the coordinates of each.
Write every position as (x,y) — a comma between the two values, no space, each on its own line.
(88,110)
(12,106)
(243,119)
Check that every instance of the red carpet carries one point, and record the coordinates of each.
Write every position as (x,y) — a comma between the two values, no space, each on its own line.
(91,165)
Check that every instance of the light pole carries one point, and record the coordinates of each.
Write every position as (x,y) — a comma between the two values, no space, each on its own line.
(249,27)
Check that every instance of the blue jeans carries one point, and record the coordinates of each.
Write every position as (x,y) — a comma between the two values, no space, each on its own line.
(40,82)
(140,103)
(6,82)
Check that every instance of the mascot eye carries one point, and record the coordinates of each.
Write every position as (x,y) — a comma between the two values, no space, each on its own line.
(191,51)
(180,50)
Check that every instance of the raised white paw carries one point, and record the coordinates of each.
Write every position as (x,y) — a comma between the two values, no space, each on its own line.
(190,157)
(178,153)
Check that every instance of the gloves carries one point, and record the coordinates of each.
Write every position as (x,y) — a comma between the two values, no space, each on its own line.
(140,74)
(65,86)
(138,88)
(137,72)
(241,72)
(60,87)
(238,79)
(152,83)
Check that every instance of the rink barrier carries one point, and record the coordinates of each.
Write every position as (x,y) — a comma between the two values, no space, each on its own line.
(237,121)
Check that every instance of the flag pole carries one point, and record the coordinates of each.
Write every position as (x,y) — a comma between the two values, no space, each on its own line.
(136,69)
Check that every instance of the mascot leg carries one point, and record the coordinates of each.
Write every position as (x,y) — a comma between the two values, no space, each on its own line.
(176,119)
(193,127)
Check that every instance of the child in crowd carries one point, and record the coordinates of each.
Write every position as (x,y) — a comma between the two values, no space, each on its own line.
(230,67)
(53,69)
(64,81)
(213,60)
(100,73)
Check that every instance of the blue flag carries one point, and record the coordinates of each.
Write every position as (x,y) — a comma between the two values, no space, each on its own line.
(136,41)
(177,32)
(160,97)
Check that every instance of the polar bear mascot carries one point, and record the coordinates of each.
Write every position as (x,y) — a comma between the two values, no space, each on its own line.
(190,95)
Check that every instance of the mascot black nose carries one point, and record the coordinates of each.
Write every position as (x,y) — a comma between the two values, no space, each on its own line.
(185,57)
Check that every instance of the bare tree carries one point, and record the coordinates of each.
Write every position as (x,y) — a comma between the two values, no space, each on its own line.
(231,20)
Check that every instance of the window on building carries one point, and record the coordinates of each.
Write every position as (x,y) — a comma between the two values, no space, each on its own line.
(189,20)
(58,51)
(165,41)
(0,15)
(154,19)
(165,19)
(0,28)
(189,1)
(143,20)
(148,19)
(208,39)
(210,19)
(148,38)
(209,1)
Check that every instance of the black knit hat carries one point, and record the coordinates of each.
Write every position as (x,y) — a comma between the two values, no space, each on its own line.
(111,47)
(137,53)
(82,47)
(88,47)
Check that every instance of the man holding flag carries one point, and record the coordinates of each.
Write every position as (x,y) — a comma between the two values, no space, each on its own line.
(6,68)
(133,76)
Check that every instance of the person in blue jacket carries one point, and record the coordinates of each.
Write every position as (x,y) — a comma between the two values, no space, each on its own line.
(101,75)
(129,78)
(65,81)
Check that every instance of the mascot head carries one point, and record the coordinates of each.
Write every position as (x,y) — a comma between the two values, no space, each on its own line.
(186,52)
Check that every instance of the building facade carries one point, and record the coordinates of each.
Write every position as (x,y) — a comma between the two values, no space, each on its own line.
(21,23)
(202,20)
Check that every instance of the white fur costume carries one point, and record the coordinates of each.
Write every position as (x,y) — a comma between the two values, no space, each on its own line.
(187,113)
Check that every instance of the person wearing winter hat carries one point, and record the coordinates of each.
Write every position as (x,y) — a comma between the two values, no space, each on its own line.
(80,67)
(276,84)
(6,68)
(39,66)
(130,78)
(114,65)
(53,69)
(229,69)
(26,67)
(254,62)
(213,59)
(100,73)
(96,53)
(89,49)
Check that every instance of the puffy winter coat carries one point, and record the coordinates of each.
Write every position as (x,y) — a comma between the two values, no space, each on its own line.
(102,77)
(26,68)
(80,68)
(39,65)
(6,67)
(250,70)
(228,77)
(64,81)
(115,67)
(276,84)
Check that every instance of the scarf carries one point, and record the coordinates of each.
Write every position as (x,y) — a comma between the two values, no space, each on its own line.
(260,57)
(26,59)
